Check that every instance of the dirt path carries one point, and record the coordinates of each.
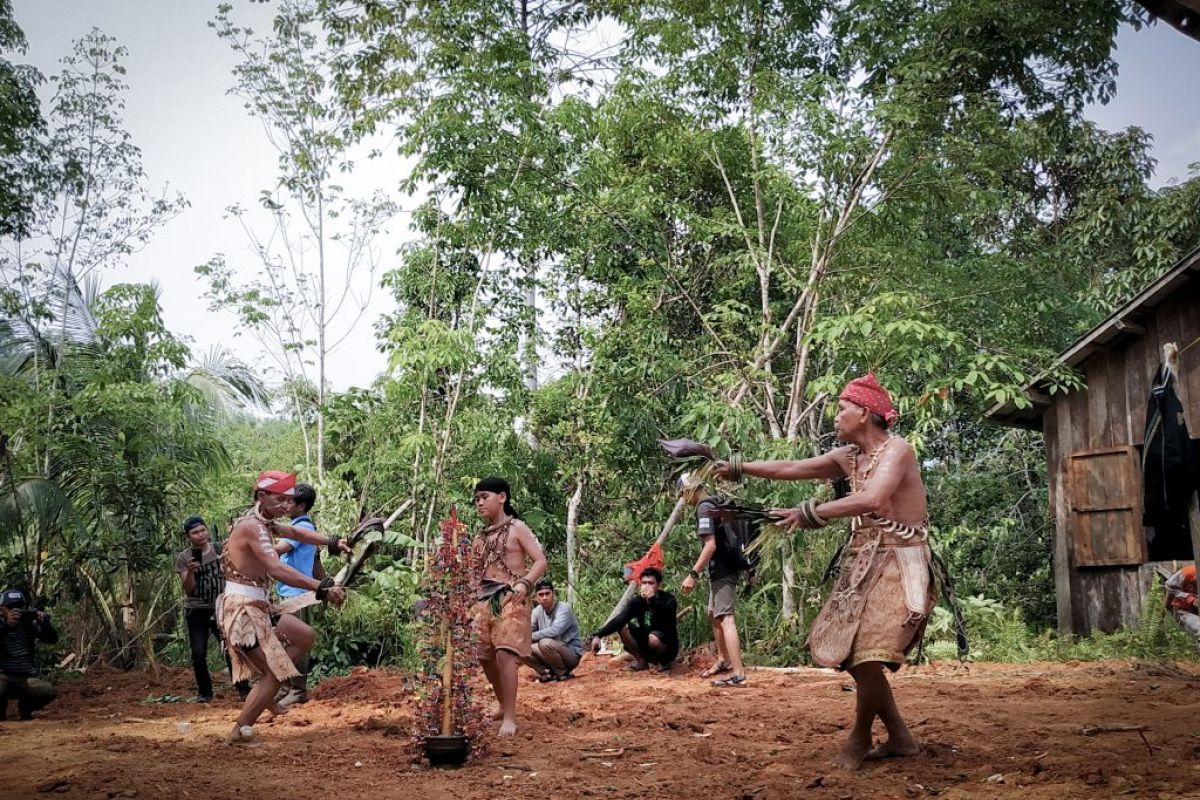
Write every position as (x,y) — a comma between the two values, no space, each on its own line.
(609,734)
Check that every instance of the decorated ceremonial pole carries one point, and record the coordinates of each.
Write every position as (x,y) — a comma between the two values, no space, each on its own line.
(448,723)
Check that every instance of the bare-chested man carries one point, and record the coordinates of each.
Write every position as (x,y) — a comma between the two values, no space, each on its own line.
(502,613)
(250,564)
(884,591)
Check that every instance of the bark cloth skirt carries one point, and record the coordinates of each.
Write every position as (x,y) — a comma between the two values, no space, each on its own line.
(882,599)
(245,619)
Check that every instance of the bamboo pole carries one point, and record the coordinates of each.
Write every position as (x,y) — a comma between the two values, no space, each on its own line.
(448,667)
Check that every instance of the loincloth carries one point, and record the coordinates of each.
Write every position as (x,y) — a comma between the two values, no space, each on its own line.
(246,624)
(880,604)
(511,629)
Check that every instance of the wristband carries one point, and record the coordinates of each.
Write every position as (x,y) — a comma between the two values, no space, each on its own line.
(528,584)
(323,587)
(332,543)
(735,468)
(693,574)
(808,510)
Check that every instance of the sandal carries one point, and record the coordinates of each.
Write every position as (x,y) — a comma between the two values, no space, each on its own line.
(716,669)
(547,677)
(732,680)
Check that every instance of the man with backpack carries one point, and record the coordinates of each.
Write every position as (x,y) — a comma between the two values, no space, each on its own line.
(723,555)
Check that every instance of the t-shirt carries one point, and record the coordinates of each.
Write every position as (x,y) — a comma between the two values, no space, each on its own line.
(300,558)
(16,646)
(709,524)
(209,580)
(559,624)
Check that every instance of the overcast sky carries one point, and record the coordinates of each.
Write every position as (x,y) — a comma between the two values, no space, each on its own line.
(201,141)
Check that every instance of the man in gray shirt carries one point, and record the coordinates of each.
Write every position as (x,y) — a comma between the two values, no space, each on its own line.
(556,644)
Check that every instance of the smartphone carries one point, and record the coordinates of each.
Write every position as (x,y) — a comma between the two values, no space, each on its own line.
(198,554)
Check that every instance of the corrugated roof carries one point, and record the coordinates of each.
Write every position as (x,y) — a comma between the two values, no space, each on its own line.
(1121,324)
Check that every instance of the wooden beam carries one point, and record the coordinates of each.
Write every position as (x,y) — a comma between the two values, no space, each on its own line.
(1125,326)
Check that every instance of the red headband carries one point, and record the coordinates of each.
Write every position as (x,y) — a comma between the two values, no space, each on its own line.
(868,393)
(276,482)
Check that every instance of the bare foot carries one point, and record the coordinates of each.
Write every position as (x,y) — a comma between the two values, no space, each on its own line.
(895,747)
(242,735)
(498,714)
(279,710)
(853,752)
(508,727)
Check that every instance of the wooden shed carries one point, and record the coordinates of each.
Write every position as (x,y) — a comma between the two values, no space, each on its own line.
(1093,441)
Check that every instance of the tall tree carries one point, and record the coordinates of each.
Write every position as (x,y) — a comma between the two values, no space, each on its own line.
(320,254)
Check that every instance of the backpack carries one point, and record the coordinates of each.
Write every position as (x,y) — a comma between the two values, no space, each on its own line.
(735,531)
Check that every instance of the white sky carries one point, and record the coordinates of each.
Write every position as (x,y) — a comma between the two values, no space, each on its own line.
(202,142)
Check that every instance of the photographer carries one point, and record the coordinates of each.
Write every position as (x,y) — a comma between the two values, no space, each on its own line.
(20,629)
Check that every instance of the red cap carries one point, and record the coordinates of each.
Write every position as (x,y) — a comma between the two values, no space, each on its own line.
(868,393)
(276,482)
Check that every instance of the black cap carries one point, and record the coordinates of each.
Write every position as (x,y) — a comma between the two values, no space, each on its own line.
(14,598)
(192,522)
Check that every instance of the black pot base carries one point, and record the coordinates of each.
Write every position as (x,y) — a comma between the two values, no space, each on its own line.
(447,752)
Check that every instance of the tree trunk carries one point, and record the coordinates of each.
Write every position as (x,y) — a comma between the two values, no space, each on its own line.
(572,524)
(788,609)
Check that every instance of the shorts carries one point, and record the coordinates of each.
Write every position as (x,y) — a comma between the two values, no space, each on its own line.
(722,595)
(511,630)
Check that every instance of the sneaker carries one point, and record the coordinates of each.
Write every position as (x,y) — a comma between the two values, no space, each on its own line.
(294,697)
(202,698)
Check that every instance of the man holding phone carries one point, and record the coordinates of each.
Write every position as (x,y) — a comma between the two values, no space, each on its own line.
(199,568)
(20,629)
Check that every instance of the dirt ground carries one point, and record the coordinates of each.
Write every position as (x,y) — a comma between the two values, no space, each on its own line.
(988,730)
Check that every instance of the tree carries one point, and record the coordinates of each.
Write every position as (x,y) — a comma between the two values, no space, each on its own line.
(319,257)
(21,130)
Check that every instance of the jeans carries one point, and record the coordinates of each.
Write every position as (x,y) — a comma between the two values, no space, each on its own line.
(31,694)
(200,623)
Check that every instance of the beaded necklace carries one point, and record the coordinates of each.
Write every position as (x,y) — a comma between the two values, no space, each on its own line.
(495,545)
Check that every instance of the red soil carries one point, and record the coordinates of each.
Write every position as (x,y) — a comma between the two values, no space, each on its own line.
(989,730)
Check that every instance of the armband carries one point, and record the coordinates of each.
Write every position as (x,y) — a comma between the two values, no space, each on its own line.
(323,588)
(332,543)
(808,511)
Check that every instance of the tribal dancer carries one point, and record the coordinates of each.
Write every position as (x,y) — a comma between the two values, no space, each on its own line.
(503,619)
(250,564)
(884,592)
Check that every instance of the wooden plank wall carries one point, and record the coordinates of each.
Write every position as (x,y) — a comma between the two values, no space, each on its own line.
(1109,413)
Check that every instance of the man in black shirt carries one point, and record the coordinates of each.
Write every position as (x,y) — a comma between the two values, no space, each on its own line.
(199,569)
(647,625)
(20,629)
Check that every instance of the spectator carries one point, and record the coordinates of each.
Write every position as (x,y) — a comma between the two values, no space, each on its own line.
(302,557)
(648,625)
(199,569)
(556,645)
(20,630)
(1181,599)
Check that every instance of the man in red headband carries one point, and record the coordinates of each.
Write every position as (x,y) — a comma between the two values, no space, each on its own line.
(884,591)
(250,565)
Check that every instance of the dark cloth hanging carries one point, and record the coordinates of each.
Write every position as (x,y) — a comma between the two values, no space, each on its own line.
(1170,472)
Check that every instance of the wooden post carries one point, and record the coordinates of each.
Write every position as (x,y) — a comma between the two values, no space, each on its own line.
(1171,358)
(672,520)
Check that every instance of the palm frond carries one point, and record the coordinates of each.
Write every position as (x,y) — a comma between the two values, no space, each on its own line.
(35,506)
